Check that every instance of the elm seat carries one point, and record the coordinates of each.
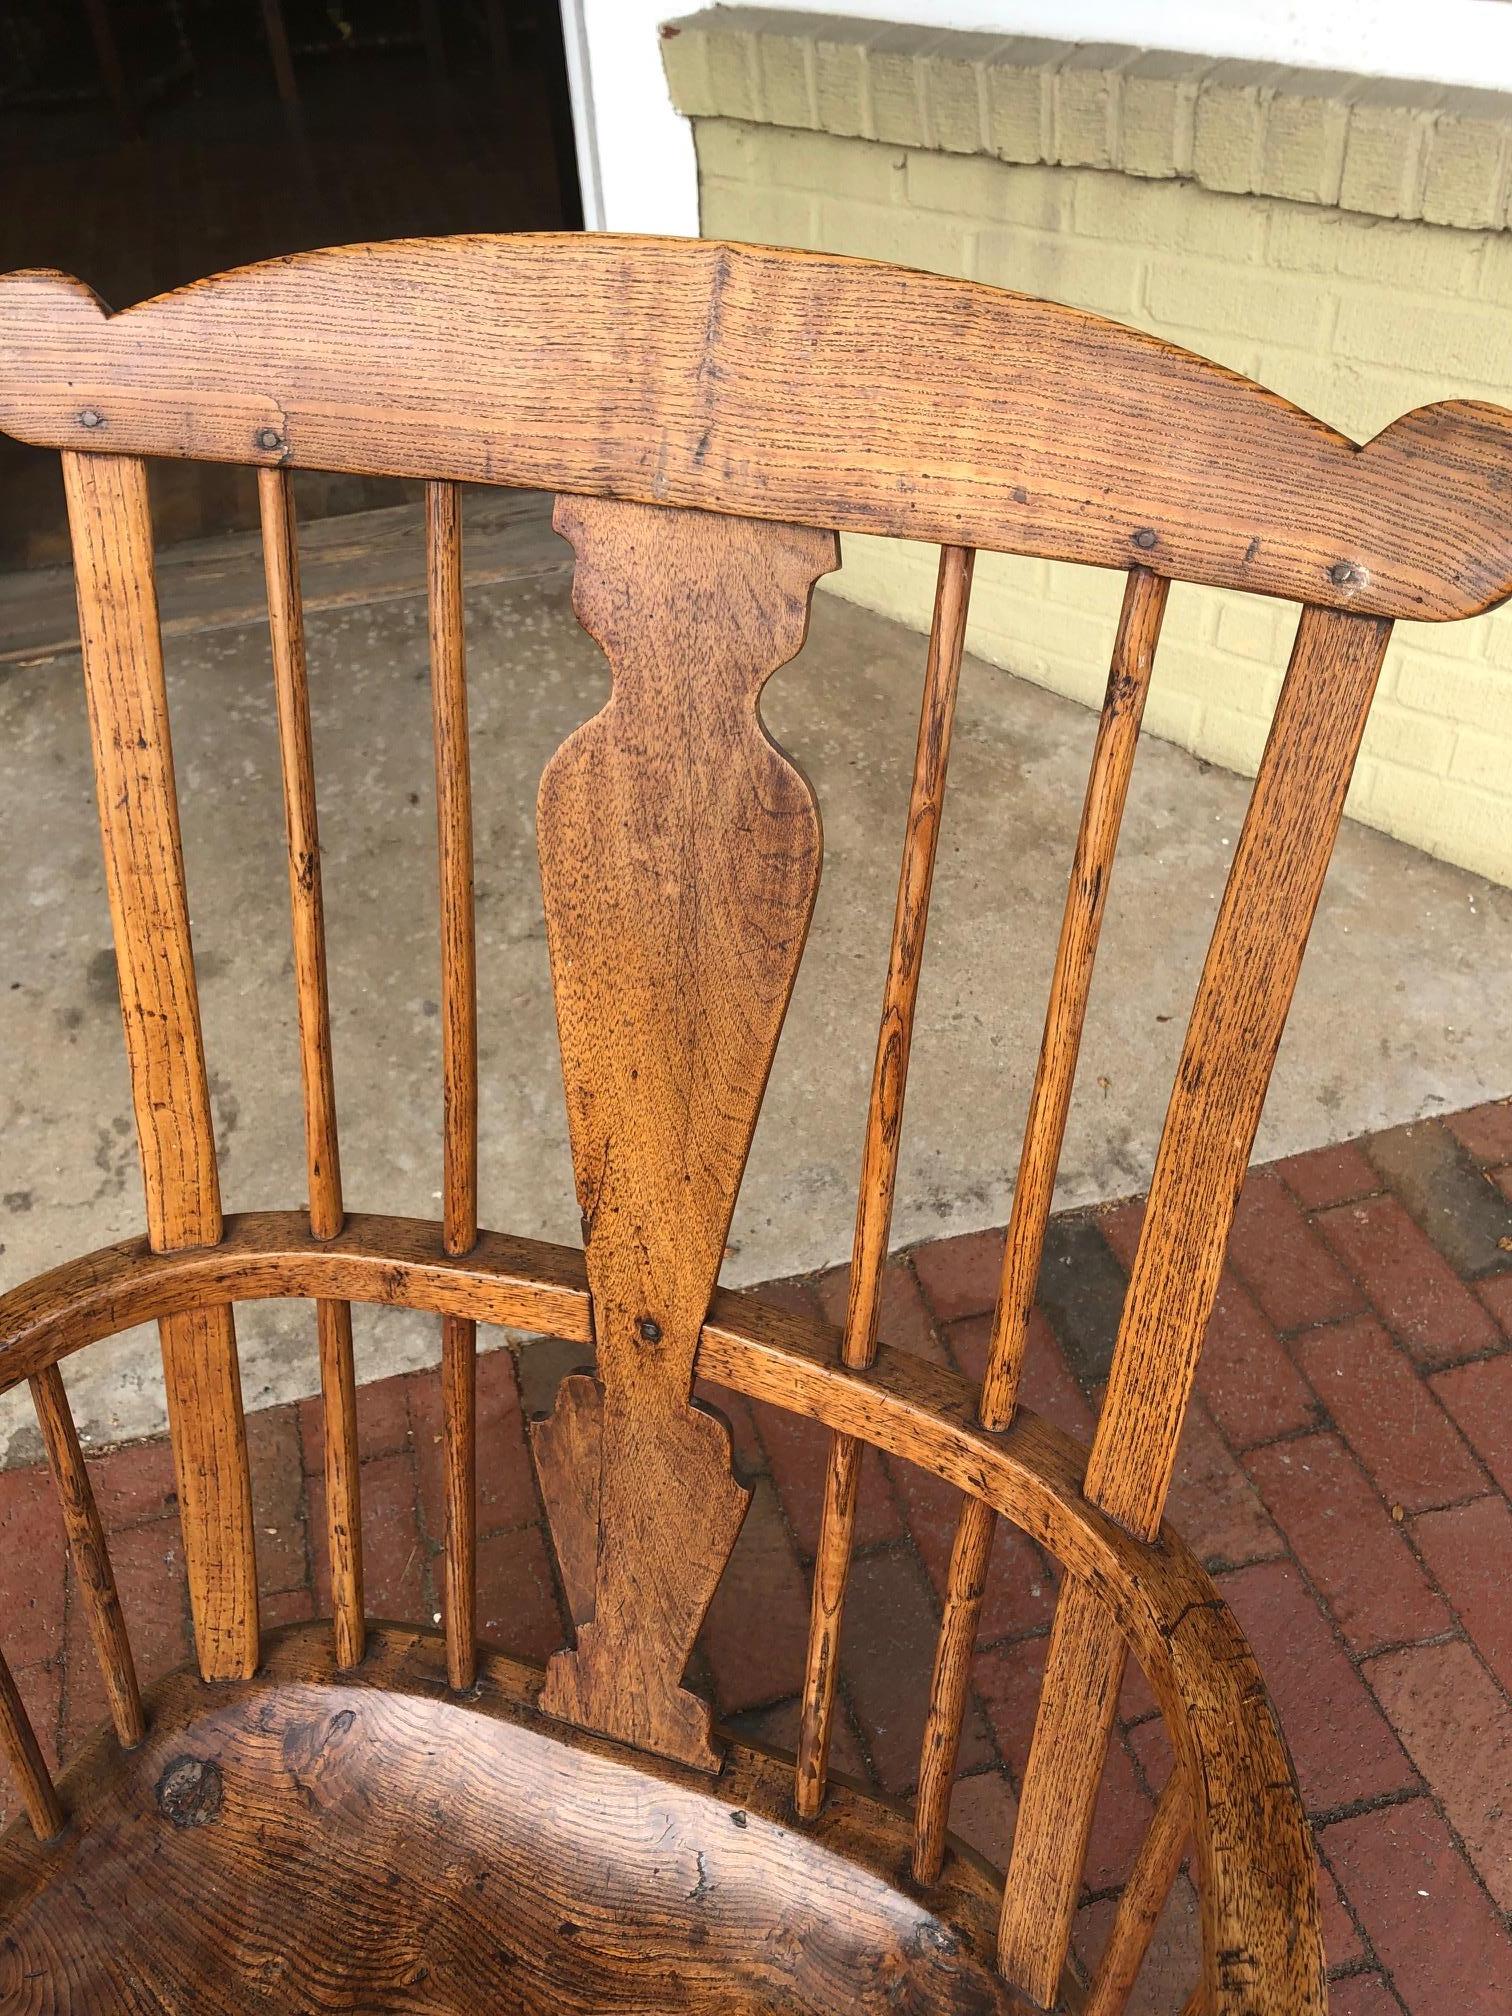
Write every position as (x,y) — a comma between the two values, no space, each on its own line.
(360,1816)
(315,1840)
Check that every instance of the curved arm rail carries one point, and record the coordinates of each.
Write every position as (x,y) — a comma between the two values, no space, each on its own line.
(1261,1943)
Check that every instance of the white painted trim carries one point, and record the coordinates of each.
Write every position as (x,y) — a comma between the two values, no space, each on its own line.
(635,154)
(584,121)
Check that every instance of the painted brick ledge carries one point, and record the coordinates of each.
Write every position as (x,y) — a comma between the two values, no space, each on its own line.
(1379,146)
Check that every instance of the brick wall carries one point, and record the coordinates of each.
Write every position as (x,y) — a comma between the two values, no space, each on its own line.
(1345,243)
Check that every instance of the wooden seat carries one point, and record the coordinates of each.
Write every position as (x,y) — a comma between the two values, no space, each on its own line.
(245,1856)
(361,1815)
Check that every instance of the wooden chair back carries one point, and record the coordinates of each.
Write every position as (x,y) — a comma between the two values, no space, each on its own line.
(710,417)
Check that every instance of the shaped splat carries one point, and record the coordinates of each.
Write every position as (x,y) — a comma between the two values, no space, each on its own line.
(680,856)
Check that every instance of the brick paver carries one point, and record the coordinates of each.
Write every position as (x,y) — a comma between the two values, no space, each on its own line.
(1428,1920)
(1328,1507)
(1468,1551)
(1411,1285)
(1344,1474)
(1388,1415)
(1286,1266)
(1480,1399)
(1457,1726)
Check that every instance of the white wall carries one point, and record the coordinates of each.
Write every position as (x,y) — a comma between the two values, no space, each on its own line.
(635,155)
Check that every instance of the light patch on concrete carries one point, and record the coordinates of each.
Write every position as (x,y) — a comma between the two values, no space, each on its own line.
(1398,1013)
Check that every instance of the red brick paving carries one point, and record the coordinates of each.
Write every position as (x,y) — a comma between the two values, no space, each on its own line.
(1345,1474)
(1168,1972)
(1411,1285)
(1250,1381)
(1342,1745)
(1325,1176)
(1485,1130)
(1363,1995)
(1213,1504)
(1480,1399)
(1468,1551)
(1330,1510)
(1496,1290)
(1429,1922)
(1456,1724)
(1389,1415)
(1342,1939)
(1283,1262)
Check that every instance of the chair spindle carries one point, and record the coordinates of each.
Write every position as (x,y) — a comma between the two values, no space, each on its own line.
(1143,1900)
(144,872)
(333,1320)
(1242,999)
(459,1027)
(879,1158)
(94,1577)
(23,1753)
(1044,1131)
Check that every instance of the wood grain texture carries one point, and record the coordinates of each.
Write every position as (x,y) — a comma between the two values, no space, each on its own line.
(900,994)
(568,1446)
(1143,1899)
(246,1857)
(519,1284)
(949,1680)
(777,385)
(144,878)
(1235,1029)
(1255,1865)
(459,1063)
(291,688)
(333,1320)
(144,862)
(1084,1667)
(1034,1190)
(459,1484)
(23,1754)
(1243,997)
(1071,985)
(454,849)
(202,1382)
(879,1154)
(679,862)
(94,1579)
(821,1666)
(341,1464)
(792,394)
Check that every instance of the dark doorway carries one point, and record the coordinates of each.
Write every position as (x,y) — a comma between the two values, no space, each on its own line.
(146,143)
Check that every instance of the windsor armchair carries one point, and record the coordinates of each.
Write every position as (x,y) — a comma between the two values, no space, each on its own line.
(354,1815)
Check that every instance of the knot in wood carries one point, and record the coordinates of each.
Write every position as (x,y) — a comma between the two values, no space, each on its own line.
(190,1791)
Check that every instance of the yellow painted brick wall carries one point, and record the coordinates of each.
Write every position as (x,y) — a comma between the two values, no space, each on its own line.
(1355,316)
